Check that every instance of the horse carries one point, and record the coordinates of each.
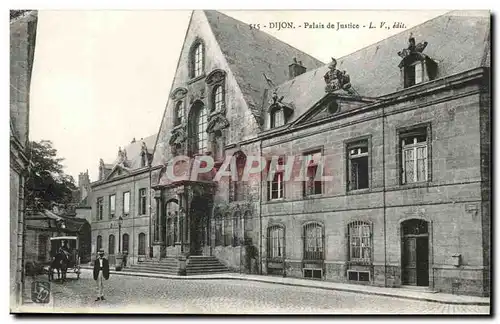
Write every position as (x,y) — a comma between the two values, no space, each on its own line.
(60,263)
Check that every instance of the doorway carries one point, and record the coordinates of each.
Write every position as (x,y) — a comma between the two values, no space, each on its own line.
(199,220)
(415,252)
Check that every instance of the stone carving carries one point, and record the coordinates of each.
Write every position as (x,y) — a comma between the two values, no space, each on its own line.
(413,49)
(122,155)
(337,80)
(144,148)
(178,136)
(215,76)
(216,123)
(179,93)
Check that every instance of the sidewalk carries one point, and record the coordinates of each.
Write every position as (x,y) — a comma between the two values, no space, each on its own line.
(370,290)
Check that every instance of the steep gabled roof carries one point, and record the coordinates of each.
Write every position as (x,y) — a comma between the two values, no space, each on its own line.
(458,41)
(250,53)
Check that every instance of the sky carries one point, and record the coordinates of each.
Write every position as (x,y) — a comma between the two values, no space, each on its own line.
(101,78)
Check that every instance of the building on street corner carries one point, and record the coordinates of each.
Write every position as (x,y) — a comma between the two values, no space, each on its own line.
(23,25)
(399,131)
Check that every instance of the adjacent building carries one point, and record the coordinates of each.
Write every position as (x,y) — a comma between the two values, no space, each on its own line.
(120,202)
(400,130)
(22,46)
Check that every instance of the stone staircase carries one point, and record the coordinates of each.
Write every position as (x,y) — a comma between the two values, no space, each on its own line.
(196,265)
(204,265)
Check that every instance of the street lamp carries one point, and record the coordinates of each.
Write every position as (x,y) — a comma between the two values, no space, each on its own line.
(120,221)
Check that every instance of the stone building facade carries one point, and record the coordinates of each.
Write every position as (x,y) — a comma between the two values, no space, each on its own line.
(22,46)
(123,191)
(400,130)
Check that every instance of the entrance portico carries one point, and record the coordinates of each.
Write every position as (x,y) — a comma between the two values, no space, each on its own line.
(182,218)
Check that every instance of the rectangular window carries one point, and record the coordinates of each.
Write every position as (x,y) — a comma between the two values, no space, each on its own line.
(275,187)
(275,242)
(414,156)
(359,242)
(126,203)
(277,118)
(312,162)
(99,208)
(142,201)
(112,206)
(358,167)
(413,74)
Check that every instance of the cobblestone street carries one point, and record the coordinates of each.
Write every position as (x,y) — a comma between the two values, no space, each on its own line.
(128,294)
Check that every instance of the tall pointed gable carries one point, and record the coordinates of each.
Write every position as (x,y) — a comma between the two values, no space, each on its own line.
(251,52)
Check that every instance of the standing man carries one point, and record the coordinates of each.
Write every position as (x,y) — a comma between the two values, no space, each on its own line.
(101,272)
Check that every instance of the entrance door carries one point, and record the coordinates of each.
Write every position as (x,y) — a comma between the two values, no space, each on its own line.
(198,227)
(415,253)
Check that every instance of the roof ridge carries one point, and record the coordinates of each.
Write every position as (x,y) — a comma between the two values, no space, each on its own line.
(267,34)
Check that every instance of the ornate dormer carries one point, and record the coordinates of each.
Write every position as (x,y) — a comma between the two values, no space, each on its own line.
(415,66)
(279,111)
(337,80)
(178,138)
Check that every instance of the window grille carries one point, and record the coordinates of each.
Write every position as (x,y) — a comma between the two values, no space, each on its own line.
(360,241)
(313,242)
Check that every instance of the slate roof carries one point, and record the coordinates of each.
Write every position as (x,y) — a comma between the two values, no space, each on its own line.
(457,40)
(250,53)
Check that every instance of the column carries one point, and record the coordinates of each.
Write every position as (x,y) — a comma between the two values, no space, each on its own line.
(156,229)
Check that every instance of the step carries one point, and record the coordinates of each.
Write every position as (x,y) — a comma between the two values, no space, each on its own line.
(153,271)
(220,266)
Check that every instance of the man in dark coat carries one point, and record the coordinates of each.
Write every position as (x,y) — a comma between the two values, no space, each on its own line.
(101,273)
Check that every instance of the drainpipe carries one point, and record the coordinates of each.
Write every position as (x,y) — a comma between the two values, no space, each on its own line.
(150,247)
(260,215)
(384,196)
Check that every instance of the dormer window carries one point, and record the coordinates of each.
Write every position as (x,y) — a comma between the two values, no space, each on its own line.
(414,74)
(197,59)
(179,113)
(277,118)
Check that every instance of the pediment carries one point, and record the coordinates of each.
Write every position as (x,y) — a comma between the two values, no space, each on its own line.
(332,104)
(117,172)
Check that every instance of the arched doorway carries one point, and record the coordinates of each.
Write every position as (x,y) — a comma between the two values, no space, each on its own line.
(415,252)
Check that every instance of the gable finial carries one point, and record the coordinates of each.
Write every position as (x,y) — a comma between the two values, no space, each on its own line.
(336,79)
(412,48)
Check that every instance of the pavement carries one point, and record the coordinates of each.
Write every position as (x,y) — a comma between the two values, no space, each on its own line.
(126,294)
(402,293)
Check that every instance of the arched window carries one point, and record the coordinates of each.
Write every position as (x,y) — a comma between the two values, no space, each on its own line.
(275,242)
(99,243)
(359,241)
(111,246)
(125,240)
(313,242)
(236,228)
(218,98)
(201,130)
(179,113)
(142,244)
(197,60)
(218,230)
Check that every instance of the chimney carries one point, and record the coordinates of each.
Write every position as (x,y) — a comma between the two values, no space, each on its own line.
(295,69)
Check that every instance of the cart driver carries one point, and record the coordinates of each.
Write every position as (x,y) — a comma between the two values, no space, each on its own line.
(64,248)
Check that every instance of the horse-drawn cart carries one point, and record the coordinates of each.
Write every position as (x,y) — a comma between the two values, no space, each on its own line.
(64,253)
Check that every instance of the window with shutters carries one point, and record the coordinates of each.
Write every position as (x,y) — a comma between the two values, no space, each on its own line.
(414,155)
(360,246)
(358,164)
(414,74)
(313,241)
(126,203)
(142,201)
(112,206)
(276,242)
